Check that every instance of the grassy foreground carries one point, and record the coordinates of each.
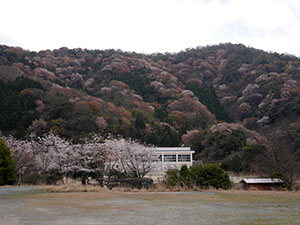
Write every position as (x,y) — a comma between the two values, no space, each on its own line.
(119,207)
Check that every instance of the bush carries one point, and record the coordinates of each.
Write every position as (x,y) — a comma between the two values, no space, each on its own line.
(210,175)
(185,175)
(172,178)
(7,166)
(203,176)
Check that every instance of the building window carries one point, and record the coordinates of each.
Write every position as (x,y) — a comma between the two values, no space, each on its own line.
(169,158)
(184,158)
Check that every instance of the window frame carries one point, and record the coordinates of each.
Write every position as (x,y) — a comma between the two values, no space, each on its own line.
(183,158)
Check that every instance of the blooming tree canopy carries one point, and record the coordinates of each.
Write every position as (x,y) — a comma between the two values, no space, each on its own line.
(129,157)
(92,158)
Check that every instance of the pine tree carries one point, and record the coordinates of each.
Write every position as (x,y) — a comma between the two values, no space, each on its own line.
(7,166)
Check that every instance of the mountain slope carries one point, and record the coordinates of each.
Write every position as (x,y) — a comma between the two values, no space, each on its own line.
(155,98)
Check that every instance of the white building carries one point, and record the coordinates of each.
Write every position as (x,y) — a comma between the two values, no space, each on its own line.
(171,158)
(175,157)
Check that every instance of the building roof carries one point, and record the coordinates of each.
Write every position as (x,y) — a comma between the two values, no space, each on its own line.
(174,149)
(262,181)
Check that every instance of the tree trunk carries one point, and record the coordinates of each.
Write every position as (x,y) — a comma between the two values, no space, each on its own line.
(19,179)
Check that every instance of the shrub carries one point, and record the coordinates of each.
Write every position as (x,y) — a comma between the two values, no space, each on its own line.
(185,176)
(203,176)
(210,175)
(172,178)
(7,166)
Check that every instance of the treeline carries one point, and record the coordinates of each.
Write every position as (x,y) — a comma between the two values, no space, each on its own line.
(50,158)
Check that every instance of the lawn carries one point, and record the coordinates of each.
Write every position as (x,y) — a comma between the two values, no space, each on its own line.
(115,207)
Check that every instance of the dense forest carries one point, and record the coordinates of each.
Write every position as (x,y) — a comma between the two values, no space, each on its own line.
(226,101)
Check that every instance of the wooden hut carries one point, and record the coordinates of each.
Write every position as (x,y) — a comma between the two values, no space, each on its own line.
(261,183)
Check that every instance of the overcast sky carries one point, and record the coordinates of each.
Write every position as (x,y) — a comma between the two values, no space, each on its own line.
(148,26)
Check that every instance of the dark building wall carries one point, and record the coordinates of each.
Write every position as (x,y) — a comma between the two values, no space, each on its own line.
(261,186)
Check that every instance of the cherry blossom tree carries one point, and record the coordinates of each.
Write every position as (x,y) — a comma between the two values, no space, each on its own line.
(101,123)
(193,139)
(55,153)
(93,158)
(129,157)
(23,153)
(88,159)
(50,153)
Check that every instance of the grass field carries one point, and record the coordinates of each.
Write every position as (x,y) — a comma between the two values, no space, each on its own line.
(115,207)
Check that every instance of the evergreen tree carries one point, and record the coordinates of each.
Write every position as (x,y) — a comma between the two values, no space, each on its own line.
(7,166)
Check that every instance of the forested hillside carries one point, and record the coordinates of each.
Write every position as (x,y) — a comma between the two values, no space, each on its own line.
(221,100)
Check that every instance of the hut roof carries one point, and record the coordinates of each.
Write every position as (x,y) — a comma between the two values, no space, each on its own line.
(262,181)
